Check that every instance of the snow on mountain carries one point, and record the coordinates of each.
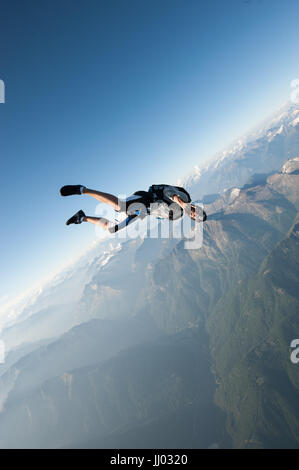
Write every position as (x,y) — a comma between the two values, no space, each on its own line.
(291,166)
(271,134)
(295,122)
(262,150)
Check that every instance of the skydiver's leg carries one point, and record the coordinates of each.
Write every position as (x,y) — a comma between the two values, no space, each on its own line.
(100,221)
(102,197)
(107,225)
(80,217)
(119,205)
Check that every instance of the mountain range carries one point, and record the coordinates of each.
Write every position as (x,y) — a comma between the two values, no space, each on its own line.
(145,344)
(262,150)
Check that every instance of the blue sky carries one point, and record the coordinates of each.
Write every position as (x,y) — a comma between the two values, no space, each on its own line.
(121,94)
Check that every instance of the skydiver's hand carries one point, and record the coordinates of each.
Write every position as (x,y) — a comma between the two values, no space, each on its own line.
(178,200)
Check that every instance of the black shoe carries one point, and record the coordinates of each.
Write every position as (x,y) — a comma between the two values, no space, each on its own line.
(71,189)
(77,218)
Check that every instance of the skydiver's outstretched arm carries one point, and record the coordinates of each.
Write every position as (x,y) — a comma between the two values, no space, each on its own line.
(189,208)
(176,198)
